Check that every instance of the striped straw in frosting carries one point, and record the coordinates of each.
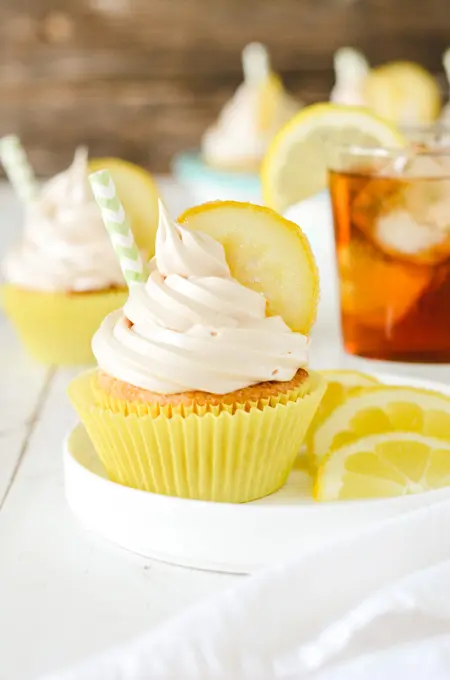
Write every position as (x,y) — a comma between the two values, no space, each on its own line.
(18,168)
(118,227)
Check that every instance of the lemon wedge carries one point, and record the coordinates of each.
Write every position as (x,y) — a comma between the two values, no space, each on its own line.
(384,465)
(296,163)
(383,410)
(340,384)
(266,253)
(404,93)
(139,195)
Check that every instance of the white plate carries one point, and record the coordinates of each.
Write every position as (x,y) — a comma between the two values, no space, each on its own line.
(221,536)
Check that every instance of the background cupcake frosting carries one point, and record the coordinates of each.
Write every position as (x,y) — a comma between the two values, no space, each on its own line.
(64,246)
(249,120)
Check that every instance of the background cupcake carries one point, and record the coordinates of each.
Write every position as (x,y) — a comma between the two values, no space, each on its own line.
(233,147)
(62,277)
(200,393)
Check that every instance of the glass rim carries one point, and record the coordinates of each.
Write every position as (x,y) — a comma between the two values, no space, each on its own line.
(381,151)
(426,127)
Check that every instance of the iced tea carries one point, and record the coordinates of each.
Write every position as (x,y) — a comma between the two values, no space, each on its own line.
(392,227)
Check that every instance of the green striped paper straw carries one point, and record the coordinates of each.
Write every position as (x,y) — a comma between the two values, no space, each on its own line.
(18,168)
(118,227)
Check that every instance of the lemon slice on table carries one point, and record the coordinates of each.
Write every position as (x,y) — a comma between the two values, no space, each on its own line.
(383,410)
(340,381)
(384,465)
(266,253)
(296,163)
(139,194)
(403,93)
(340,384)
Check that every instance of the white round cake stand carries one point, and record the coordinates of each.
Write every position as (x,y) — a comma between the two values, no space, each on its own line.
(221,536)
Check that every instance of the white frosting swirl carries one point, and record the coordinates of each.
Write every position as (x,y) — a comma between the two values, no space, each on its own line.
(193,327)
(65,246)
(187,253)
(351,71)
(237,139)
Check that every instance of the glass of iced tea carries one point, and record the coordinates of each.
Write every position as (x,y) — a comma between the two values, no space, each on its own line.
(391,212)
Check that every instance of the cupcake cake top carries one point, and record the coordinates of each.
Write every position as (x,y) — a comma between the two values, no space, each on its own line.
(192,326)
(351,70)
(65,246)
(248,122)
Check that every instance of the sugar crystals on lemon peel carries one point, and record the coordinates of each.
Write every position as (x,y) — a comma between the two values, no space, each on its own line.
(266,253)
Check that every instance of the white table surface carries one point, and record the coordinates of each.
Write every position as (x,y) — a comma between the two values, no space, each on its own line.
(65,593)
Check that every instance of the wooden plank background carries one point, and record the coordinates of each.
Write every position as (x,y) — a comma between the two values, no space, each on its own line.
(143,78)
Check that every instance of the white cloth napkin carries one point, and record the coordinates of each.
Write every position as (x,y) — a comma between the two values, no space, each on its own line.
(376,606)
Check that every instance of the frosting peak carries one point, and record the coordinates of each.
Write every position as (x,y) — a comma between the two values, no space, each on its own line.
(65,246)
(191,326)
(351,71)
(255,113)
(187,253)
(255,63)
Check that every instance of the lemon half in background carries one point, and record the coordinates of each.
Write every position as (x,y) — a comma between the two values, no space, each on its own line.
(403,93)
(139,195)
(296,163)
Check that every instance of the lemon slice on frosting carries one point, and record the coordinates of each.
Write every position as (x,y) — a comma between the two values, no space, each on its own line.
(266,253)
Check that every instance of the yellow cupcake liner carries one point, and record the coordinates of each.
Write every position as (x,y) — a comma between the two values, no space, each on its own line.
(57,328)
(107,401)
(225,457)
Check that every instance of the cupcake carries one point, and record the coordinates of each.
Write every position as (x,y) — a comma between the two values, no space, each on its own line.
(63,277)
(232,149)
(202,389)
